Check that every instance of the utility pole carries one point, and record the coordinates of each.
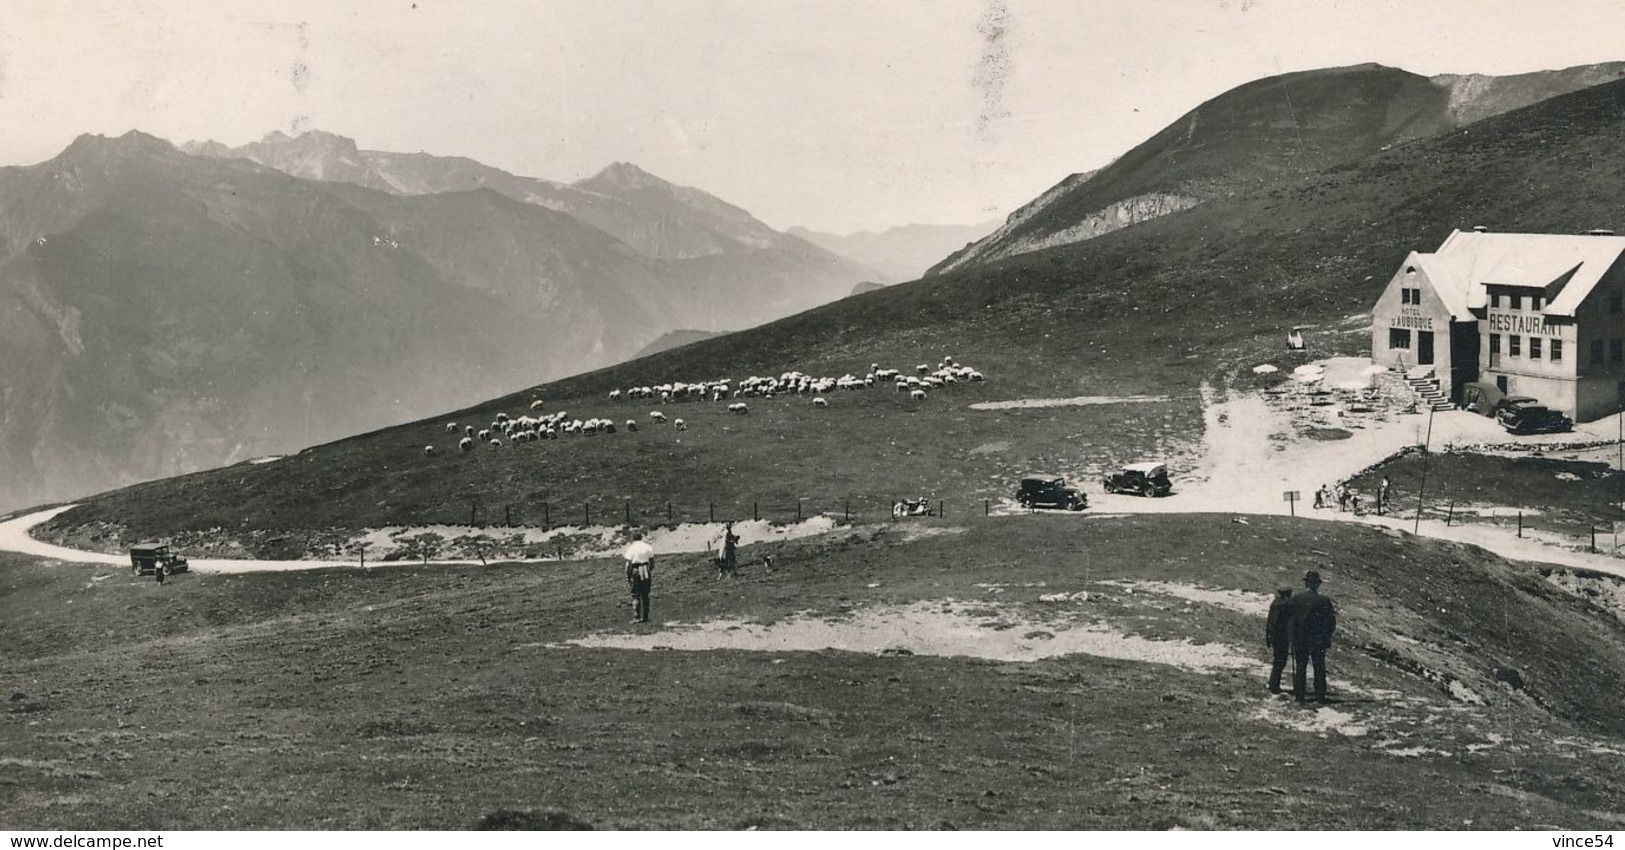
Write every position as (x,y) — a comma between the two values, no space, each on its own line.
(1421,488)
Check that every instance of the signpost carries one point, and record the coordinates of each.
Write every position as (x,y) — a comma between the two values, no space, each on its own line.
(1291,498)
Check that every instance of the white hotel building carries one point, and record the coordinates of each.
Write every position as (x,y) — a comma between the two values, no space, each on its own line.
(1537,314)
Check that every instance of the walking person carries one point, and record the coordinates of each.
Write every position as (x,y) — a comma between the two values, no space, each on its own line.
(1277,638)
(1312,620)
(1342,498)
(1382,496)
(640,564)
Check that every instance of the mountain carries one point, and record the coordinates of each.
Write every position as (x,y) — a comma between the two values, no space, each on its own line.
(1267,132)
(899,253)
(674,339)
(1155,310)
(718,265)
(161,313)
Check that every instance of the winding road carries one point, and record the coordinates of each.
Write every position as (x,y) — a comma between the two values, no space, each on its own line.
(1247,460)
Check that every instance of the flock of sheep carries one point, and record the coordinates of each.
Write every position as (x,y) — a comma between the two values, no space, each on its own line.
(553,426)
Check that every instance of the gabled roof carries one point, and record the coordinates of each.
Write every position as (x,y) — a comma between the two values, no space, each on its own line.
(1566,266)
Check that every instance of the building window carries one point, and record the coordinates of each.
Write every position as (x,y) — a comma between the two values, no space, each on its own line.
(1616,352)
(1514,345)
(1405,295)
(1416,295)
(1534,348)
(1557,351)
(1495,344)
(1534,302)
(1495,299)
(1596,351)
(1616,303)
(1399,338)
(1517,302)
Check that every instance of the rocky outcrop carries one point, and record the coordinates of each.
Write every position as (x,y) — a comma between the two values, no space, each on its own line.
(1009,241)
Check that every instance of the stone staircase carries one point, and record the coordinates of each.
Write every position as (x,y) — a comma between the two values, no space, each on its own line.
(1426,385)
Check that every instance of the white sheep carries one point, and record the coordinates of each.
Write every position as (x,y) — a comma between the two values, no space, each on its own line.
(485,434)
(681,425)
(917,395)
(820,402)
(656,416)
(466,444)
(496,444)
(428,450)
(632,425)
(451,427)
(468,430)
(614,395)
(739,407)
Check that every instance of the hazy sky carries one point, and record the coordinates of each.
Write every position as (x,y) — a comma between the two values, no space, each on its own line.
(838,115)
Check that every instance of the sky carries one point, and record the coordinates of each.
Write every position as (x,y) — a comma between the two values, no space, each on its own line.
(839,115)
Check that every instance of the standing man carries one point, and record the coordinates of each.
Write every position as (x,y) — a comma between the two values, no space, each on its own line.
(1276,636)
(640,564)
(728,562)
(1382,497)
(1311,622)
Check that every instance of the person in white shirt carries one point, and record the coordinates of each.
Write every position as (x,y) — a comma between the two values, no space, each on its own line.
(640,562)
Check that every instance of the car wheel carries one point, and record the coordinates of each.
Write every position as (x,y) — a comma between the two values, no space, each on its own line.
(1148,489)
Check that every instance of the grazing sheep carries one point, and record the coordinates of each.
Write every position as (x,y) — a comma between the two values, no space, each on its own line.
(485,434)
(656,416)
(738,407)
(922,368)
(917,395)
(632,425)
(820,402)
(502,417)
(466,444)
(451,427)
(468,430)
(681,425)
(496,444)
(536,404)
(428,450)
(614,395)
(977,376)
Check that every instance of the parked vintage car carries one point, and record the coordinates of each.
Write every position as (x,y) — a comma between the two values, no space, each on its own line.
(913,507)
(1526,417)
(148,559)
(1148,478)
(1050,491)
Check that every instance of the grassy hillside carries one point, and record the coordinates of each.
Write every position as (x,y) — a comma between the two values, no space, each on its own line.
(1153,310)
(437,697)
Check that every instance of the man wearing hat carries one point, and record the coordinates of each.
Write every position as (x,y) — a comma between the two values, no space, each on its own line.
(1276,636)
(1311,621)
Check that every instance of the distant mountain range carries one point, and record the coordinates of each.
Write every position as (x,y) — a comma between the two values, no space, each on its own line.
(1268,132)
(162,312)
(899,253)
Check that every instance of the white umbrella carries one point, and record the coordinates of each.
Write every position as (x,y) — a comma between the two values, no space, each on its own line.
(1264,369)
(1308,377)
(1309,369)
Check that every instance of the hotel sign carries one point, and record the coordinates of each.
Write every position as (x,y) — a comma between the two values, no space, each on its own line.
(1517,323)
(1411,318)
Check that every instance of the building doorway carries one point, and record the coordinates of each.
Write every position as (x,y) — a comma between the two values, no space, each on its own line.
(1424,348)
(1501,384)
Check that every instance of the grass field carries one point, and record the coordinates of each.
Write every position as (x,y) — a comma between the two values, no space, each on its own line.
(429,697)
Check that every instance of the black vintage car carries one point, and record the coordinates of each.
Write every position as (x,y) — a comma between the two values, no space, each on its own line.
(1525,417)
(1050,491)
(1146,479)
(148,559)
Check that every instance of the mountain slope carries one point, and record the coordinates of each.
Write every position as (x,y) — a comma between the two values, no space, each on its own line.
(161,313)
(715,264)
(1267,132)
(1152,310)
